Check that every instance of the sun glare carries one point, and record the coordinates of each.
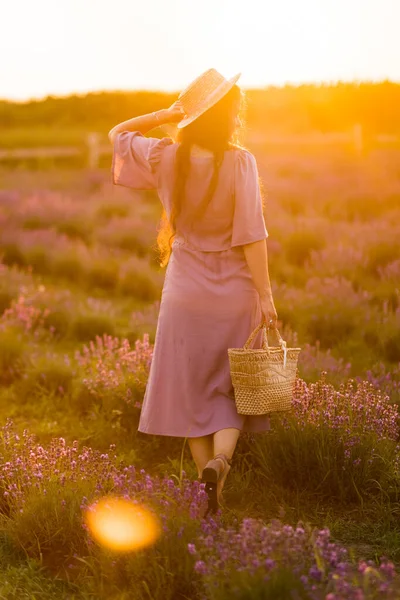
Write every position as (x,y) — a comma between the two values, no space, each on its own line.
(121,525)
(270,43)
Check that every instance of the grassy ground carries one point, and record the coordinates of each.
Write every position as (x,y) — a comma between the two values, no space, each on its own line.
(78,263)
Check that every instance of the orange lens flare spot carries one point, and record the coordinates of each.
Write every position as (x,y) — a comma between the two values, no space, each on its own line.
(122,525)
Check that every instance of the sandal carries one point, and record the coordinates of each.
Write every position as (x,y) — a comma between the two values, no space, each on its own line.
(214,475)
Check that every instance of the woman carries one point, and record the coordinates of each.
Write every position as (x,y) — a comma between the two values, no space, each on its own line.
(217,288)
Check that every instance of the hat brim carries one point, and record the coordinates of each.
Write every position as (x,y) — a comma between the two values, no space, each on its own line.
(218,93)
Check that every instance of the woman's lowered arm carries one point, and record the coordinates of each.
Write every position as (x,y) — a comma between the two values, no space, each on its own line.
(257,259)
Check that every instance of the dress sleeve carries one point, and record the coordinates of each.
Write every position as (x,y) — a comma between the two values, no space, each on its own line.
(248,217)
(136,158)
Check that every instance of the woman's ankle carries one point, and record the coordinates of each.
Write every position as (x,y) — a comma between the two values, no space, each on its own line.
(222,481)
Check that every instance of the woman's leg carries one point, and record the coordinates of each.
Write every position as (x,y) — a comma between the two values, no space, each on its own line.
(202,451)
(225,441)
(216,470)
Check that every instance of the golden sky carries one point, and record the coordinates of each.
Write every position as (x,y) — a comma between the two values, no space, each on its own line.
(66,46)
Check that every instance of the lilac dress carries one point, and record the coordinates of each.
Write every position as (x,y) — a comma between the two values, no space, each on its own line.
(209,302)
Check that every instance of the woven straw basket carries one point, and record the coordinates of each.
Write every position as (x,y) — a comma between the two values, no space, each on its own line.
(263,378)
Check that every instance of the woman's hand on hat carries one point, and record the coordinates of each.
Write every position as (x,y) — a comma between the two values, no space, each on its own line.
(175,112)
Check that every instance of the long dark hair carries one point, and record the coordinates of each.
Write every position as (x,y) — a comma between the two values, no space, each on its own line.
(216,130)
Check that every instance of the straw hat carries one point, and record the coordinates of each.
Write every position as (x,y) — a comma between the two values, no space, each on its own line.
(203,93)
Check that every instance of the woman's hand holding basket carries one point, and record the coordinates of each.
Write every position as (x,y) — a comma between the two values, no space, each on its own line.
(268,310)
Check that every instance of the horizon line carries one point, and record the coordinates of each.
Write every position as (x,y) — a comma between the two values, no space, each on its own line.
(288,84)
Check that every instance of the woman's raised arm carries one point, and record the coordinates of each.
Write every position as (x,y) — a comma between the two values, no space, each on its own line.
(145,123)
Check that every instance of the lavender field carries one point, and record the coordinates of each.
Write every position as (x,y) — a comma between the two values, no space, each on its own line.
(312,507)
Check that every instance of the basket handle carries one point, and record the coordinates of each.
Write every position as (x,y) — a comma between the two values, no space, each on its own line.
(265,345)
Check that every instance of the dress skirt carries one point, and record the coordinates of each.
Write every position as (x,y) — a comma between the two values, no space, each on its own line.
(209,303)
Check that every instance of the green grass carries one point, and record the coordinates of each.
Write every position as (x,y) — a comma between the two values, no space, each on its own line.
(294,476)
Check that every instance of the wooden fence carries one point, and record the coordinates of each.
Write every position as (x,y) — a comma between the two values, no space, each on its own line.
(96,147)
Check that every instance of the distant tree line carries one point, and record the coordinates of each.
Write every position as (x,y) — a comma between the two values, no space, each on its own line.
(295,109)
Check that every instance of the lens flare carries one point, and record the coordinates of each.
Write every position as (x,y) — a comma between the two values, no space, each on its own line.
(122,525)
